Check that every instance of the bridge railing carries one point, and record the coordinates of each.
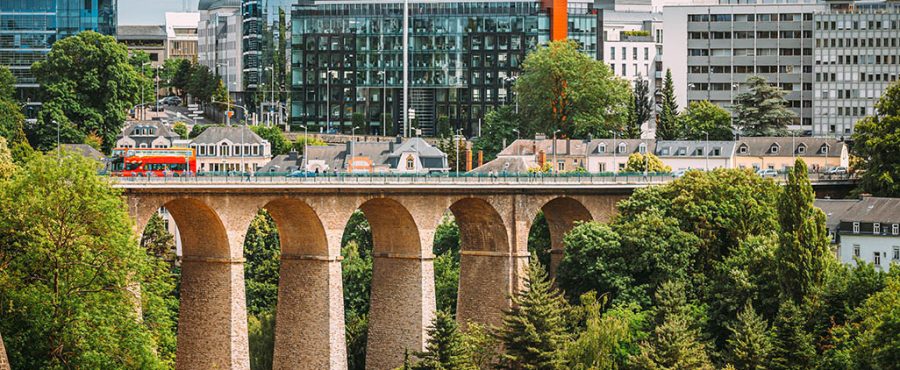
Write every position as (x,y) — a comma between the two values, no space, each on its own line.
(435,179)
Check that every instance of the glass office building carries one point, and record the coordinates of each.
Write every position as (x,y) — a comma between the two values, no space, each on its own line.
(347,60)
(28,28)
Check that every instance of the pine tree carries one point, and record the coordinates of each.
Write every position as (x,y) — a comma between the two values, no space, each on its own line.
(750,346)
(534,329)
(668,127)
(445,348)
(675,342)
(803,253)
(762,111)
(794,348)
(157,240)
(642,107)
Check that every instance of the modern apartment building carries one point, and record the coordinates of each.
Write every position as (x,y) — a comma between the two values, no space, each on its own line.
(148,39)
(713,49)
(857,55)
(266,40)
(28,28)
(182,35)
(220,41)
(347,59)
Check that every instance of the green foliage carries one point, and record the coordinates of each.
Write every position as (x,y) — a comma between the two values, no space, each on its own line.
(668,126)
(638,162)
(534,329)
(594,260)
(497,131)
(636,33)
(605,339)
(180,128)
(446,265)
(794,346)
(88,79)
(263,252)
(877,145)
(357,278)
(481,345)
(198,129)
(93,141)
(359,231)
(275,137)
(261,335)
(7,165)
(7,84)
(762,111)
(359,121)
(203,84)
(303,141)
(803,256)
(642,109)
(539,240)
(750,346)
(12,122)
(702,118)
(160,286)
(178,74)
(675,342)
(69,256)
(451,147)
(562,88)
(445,348)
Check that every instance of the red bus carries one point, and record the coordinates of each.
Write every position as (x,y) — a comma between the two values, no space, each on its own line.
(137,162)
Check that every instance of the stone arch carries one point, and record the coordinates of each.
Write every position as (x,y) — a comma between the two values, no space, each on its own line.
(300,229)
(394,231)
(561,214)
(202,232)
(481,228)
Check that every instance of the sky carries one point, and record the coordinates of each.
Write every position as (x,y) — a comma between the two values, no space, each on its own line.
(150,11)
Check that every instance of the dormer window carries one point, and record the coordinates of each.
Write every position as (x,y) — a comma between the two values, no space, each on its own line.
(699,152)
(876,228)
(716,151)
(856,227)
(410,163)
(743,149)
(801,149)
(681,151)
(664,151)
(773,149)
(824,149)
(601,148)
(622,148)
(642,148)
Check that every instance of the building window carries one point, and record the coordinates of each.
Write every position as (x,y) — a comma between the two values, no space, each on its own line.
(743,149)
(876,228)
(895,229)
(896,256)
(877,259)
(774,149)
(824,148)
(602,149)
(642,148)
(561,166)
(622,148)
(856,250)
(856,227)
(410,163)
(801,149)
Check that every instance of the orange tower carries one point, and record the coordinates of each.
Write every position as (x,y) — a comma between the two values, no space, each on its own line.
(559,18)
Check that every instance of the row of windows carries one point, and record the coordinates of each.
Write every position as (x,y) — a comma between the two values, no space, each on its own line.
(876,256)
(727,52)
(635,70)
(863,77)
(786,17)
(856,42)
(634,53)
(225,150)
(726,86)
(749,69)
(858,25)
(728,35)
(876,228)
(775,148)
(857,59)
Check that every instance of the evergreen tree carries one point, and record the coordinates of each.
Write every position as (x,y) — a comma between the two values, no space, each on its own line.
(642,107)
(675,342)
(794,347)
(534,329)
(263,251)
(803,253)
(750,346)
(668,125)
(445,348)
(157,240)
(762,111)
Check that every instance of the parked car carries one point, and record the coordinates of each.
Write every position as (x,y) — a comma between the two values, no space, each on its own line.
(678,173)
(769,172)
(299,173)
(836,171)
(170,101)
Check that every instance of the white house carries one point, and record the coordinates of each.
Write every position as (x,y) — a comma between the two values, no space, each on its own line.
(229,148)
(867,229)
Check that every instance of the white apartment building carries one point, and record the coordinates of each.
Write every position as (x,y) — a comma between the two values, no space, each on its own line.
(867,229)
(181,35)
(220,41)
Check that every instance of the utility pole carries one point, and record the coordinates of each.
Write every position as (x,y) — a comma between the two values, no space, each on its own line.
(406,68)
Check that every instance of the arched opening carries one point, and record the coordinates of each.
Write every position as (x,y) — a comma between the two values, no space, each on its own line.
(560,216)
(160,239)
(387,307)
(485,276)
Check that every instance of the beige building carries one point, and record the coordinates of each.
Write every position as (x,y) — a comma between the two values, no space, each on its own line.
(181,35)
(230,148)
(696,155)
(567,155)
(779,153)
(608,155)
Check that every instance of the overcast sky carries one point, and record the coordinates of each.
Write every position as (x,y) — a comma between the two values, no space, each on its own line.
(150,11)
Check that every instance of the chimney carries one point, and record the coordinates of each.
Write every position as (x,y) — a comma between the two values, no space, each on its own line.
(480,158)
(541,158)
(568,146)
(292,155)
(468,160)
(865,196)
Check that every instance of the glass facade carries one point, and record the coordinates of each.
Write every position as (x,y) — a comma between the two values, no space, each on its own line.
(347,60)
(267,32)
(28,28)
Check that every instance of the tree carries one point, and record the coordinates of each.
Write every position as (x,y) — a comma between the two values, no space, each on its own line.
(273,134)
(356,269)
(261,337)
(794,346)
(445,348)
(359,122)
(762,110)
(877,146)
(803,256)
(202,84)
(181,129)
(181,72)
(750,346)
(668,127)
(443,127)
(303,141)
(87,78)
(643,109)
(69,258)
(497,133)
(12,122)
(539,239)
(446,265)
(263,252)
(702,118)
(7,166)
(481,345)
(7,84)
(675,342)
(562,88)
(599,345)
(534,329)
(638,162)
(593,261)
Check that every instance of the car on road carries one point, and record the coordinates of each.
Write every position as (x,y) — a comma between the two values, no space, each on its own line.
(836,171)
(678,173)
(301,174)
(170,101)
(769,172)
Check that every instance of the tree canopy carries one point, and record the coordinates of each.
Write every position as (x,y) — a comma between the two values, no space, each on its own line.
(762,110)
(876,142)
(668,126)
(702,118)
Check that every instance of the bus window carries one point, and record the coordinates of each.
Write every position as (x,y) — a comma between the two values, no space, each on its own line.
(132,166)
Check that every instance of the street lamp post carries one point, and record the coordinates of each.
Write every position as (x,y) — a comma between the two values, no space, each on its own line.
(353,133)
(615,149)
(555,169)
(305,152)
(383,74)
(143,102)
(328,100)
(706,150)
(457,142)
(157,87)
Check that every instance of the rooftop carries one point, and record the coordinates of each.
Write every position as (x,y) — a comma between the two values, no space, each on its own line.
(139,32)
(234,134)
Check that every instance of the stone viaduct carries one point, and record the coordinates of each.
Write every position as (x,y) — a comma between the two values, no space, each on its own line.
(494,222)
(212,218)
